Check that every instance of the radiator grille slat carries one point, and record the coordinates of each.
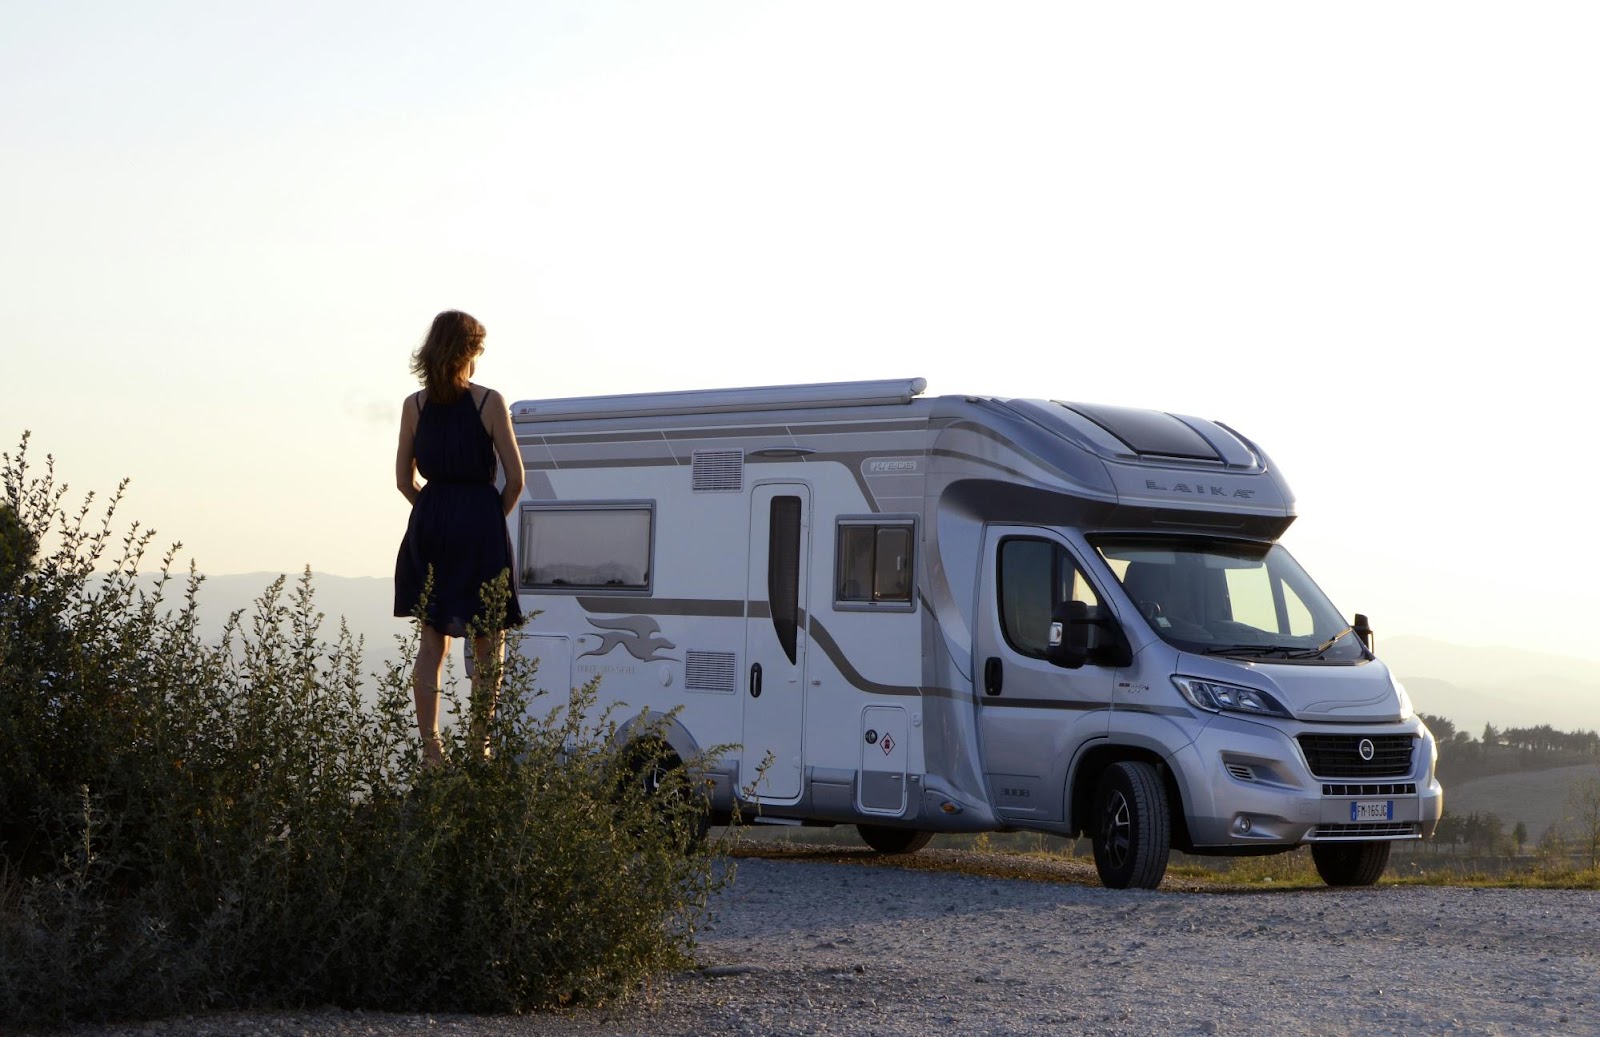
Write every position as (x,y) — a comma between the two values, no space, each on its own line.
(1339,756)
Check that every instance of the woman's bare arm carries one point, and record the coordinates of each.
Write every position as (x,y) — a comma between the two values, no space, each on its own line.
(505,447)
(405,457)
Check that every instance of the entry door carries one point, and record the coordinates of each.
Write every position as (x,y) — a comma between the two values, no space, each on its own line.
(1033,716)
(775,640)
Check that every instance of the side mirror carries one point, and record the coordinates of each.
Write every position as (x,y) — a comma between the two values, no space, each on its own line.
(1083,634)
(1363,631)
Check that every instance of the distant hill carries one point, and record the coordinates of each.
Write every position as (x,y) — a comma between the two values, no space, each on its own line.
(1507,687)
(1536,798)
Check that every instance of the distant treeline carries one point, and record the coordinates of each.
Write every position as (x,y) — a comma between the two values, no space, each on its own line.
(1508,750)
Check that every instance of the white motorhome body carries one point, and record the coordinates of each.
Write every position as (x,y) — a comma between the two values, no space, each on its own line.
(962,614)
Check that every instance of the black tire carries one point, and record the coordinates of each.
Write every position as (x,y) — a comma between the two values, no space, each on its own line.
(1350,864)
(1134,836)
(652,766)
(893,840)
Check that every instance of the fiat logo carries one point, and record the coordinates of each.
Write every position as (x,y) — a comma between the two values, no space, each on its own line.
(1366,749)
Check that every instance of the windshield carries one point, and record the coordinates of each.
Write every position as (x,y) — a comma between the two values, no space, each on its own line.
(1229,597)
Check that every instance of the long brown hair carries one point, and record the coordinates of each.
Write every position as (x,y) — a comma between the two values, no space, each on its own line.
(441,362)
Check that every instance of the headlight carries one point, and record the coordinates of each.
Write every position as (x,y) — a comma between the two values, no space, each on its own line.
(1214,697)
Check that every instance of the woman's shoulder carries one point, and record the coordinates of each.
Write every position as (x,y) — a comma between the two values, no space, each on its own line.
(482,394)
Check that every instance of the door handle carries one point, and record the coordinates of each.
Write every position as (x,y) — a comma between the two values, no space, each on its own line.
(755,680)
(993,676)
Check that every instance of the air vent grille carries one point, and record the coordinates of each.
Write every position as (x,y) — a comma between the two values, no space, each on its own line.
(1376,830)
(1405,788)
(719,469)
(709,671)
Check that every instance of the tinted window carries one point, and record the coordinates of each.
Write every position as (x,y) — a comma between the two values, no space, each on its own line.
(783,571)
(875,563)
(604,547)
(1036,576)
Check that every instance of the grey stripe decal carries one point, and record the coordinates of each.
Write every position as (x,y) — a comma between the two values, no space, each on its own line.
(830,648)
(851,462)
(1067,704)
(716,607)
(611,462)
(726,432)
(663,606)
(547,438)
(1005,441)
(718,432)
(984,462)
(1160,711)
(813,429)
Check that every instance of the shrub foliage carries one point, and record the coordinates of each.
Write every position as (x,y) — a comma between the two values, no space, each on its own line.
(189,824)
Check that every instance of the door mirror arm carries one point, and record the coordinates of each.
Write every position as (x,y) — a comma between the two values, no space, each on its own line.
(1082,634)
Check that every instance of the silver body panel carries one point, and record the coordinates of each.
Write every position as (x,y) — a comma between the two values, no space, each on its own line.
(963,473)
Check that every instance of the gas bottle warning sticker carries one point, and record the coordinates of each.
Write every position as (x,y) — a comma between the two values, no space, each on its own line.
(888,744)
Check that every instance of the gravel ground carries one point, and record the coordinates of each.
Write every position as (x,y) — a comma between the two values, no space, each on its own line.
(812,946)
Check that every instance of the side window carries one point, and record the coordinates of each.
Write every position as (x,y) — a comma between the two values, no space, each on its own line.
(585,547)
(875,563)
(1036,576)
(783,571)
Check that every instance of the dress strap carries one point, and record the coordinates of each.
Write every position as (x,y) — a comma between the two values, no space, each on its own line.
(417,399)
(486,394)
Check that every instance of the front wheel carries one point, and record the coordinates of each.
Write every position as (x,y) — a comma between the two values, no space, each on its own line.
(1350,864)
(893,840)
(1134,837)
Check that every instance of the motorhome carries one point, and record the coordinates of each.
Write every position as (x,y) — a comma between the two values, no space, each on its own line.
(963,614)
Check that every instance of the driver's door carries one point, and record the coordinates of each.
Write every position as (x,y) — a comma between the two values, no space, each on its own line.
(1032,715)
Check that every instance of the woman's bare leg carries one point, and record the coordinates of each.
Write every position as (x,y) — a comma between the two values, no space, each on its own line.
(425,678)
(488,654)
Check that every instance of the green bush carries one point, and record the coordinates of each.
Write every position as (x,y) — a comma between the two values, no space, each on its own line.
(192,825)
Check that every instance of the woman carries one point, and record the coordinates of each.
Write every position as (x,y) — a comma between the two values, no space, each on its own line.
(452,431)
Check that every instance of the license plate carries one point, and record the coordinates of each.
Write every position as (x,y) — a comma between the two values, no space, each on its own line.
(1372,810)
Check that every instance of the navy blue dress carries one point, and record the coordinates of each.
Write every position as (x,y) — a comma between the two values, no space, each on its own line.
(457,528)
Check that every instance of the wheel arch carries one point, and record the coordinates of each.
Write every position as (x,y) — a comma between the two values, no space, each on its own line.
(653,726)
(1084,778)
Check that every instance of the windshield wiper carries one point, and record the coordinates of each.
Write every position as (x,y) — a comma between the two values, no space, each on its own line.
(1315,653)
(1287,650)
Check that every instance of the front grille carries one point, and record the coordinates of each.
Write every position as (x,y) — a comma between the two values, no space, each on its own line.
(1374,830)
(1407,788)
(1339,756)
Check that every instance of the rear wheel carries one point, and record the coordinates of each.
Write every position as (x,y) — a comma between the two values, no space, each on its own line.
(653,767)
(1134,837)
(1350,864)
(893,840)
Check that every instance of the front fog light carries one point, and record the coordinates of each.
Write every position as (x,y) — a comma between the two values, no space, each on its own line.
(1242,826)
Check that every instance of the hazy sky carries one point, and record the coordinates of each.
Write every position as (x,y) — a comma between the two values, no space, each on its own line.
(1363,234)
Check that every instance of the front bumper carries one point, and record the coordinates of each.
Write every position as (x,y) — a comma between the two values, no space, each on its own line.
(1246,783)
